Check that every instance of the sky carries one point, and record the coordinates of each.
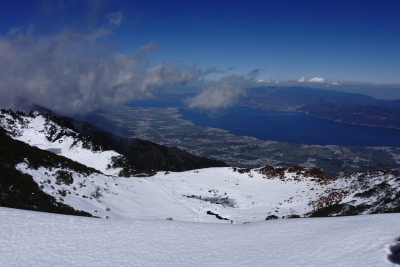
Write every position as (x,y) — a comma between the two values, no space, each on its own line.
(337,40)
(120,45)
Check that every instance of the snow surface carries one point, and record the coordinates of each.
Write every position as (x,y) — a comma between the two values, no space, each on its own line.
(34,131)
(41,239)
(189,196)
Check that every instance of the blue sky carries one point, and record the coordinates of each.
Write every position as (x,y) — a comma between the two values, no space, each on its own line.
(337,40)
(312,43)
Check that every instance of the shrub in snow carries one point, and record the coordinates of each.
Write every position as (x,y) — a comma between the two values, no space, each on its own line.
(97,193)
(219,217)
(64,177)
(271,217)
(62,192)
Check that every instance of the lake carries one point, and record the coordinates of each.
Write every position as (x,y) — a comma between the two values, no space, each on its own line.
(284,126)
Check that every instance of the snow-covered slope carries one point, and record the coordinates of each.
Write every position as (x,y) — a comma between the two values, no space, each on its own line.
(42,132)
(227,195)
(39,239)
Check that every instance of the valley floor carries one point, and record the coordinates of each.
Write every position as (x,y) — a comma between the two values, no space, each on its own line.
(41,239)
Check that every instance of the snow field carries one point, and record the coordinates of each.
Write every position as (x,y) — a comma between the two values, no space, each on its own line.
(42,239)
(185,196)
(170,195)
(34,131)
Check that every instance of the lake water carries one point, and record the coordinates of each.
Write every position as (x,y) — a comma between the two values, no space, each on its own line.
(285,126)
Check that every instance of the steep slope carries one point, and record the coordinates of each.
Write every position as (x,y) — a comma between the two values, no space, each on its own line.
(47,132)
(19,190)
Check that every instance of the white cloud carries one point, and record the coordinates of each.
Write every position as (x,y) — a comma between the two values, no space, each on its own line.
(115,18)
(312,80)
(73,73)
(13,31)
(97,34)
(223,93)
(317,80)
(269,81)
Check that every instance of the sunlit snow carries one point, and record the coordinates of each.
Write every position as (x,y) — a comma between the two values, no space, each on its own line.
(35,130)
(193,195)
(38,239)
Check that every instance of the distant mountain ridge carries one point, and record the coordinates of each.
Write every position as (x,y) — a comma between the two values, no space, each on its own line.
(371,115)
(327,104)
(302,95)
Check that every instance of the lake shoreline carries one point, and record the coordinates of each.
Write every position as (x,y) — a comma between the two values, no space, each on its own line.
(291,126)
